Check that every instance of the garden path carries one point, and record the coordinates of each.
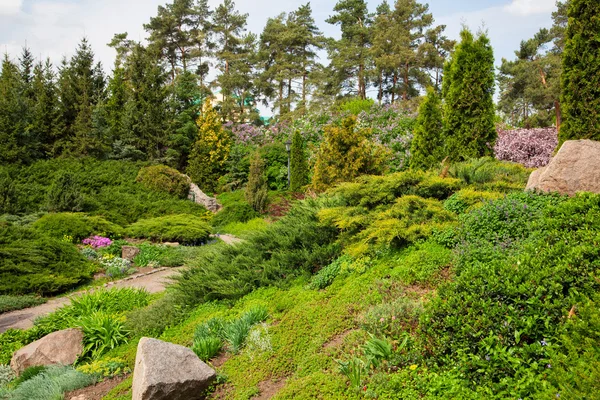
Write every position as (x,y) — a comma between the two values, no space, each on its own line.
(23,319)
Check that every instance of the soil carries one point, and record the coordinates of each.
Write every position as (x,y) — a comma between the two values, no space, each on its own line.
(337,340)
(97,391)
(269,388)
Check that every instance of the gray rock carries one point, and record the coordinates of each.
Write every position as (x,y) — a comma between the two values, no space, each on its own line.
(199,197)
(169,371)
(62,347)
(129,252)
(575,168)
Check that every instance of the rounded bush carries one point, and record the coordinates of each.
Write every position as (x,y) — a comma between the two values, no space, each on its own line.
(34,263)
(161,178)
(184,228)
(237,212)
(76,226)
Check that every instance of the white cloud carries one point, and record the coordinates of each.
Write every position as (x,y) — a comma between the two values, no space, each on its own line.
(10,7)
(530,7)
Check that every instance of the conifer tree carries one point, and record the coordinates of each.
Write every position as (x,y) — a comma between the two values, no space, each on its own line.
(581,73)
(468,90)
(207,162)
(427,147)
(257,189)
(45,107)
(298,164)
(12,125)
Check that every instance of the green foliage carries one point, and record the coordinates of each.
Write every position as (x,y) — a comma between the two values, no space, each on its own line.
(6,374)
(154,319)
(428,148)
(206,348)
(184,228)
(12,303)
(242,229)
(149,255)
(210,152)
(296,244)
(161,178)
(487,173)
(355,370)
(65,193)
(422,264)
(327,274)
(102,332)
(356,106)
(347,152)
(256,189)
(53,383)
(468,199)
(298,164)
(377,350)
(235,212)
(105,368)
(581,73)
(468,89)
(77,226)
(392,319)
(33,263)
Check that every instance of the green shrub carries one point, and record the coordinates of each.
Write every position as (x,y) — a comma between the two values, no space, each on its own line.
(422,264)
(326,275)
(149,255)
(12,303)
(65,193)
(257,188)
(155,318)
(184,228)
(466,199)
(236,212)
(52,384)
(161,178)
(76,226)
(115,249)
(427,148)
(356,106)
(377,350)
(34,263)
(242,229)
(299,172)
(6,375)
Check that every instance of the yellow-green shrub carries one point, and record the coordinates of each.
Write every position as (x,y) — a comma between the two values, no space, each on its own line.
(161,178)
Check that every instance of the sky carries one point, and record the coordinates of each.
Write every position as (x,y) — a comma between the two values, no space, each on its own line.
(53,28)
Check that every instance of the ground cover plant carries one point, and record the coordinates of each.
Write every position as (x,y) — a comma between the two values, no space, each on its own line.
(12,303)
(183,228)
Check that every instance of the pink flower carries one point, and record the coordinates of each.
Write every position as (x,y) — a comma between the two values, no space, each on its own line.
(382,320)
(393,318)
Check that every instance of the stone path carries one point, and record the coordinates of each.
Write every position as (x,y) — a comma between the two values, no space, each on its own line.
(23,319)
(229,239)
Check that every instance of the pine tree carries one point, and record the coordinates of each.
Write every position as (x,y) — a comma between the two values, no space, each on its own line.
(427,148)
(350,55)
(45,107)
(581,73)
(209,155)
(12,127)
(298,164)
(468,90)
(257,190)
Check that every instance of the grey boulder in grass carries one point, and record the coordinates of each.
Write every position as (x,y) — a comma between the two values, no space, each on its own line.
(575,168)
(62,348)
(169,371)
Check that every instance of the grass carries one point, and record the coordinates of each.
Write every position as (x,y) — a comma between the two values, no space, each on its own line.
(13,303)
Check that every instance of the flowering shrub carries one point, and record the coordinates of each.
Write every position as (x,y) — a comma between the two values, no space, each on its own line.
(246,133)
(97,242)
(530,147)
(116,267)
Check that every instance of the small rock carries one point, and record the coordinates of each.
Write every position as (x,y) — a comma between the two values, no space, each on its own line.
(166,371)
(174,244)
(129,252)
(62,347)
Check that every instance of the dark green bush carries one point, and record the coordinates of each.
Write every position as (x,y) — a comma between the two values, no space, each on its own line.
(35,263)
(185,229)
(236,212)
(65,193)
(76,226)
(161,178)
(294,245)
(522,264)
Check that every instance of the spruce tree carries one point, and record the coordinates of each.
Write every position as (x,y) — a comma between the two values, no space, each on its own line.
(257,189)
(209,155)
(581,73)
(298,165)
(468,90)
(45,107)
(427,148)
(13,140)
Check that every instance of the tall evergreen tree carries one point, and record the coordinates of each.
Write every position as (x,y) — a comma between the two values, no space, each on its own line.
(257,193)
(298,164)
(468,90)
(13,138)
(45,108)
(581,73)
(350,55)
(427,148)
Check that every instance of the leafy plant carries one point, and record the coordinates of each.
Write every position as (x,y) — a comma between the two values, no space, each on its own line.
(102,332)
(206,348)
(354,370)
(11,303)
(377,350)
(161,178)
(257,189)
(52,384)
(6,374)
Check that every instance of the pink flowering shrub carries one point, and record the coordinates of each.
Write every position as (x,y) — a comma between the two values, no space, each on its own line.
(531,147)
(97,242)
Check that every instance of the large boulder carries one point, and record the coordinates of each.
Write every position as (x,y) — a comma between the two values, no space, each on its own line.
(62,347)
(199,197)
(575,168)
(169,371)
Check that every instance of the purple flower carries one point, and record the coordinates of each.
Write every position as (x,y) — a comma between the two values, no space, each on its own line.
(97,242)
(544,343)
